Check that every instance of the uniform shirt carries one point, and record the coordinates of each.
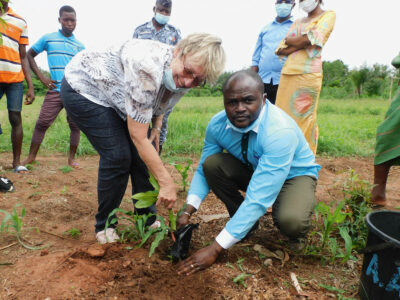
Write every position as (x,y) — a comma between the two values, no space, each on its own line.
(168,34)
(60,50)
(264,57)
(127,77)
(277,151)
(15,33)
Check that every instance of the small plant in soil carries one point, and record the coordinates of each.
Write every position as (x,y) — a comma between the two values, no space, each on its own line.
(332,220)
(347,220)
(139,231)
(73,232)
(66,169)
(357,204)
(12,223)
(184,170)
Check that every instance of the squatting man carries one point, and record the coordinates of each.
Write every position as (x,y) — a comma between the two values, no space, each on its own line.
(255,147)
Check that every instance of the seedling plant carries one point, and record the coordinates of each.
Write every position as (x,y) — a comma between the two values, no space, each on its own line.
(12,223)
(140,231)
(347,220)
(184,170)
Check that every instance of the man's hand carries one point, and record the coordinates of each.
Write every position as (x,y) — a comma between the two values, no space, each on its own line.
(185,216)
(201,260)
(182,220)
(50,84)
(30,96)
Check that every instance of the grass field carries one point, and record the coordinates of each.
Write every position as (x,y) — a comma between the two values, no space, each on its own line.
(347,127)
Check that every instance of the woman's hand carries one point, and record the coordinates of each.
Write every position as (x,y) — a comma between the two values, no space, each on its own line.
(155,138)
(201,260)
(167,195)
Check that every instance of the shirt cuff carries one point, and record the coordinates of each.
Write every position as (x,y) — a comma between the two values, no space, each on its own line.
(194,201)
(225,239)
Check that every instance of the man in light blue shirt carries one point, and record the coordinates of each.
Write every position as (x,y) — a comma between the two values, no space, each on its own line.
(265,62)
(255,147)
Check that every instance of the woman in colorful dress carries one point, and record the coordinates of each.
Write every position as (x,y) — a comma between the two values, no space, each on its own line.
(301,77)
(387,149)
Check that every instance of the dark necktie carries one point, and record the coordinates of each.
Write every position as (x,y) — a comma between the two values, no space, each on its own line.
(245,145)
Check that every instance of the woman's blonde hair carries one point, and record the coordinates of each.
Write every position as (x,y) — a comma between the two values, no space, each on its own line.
(206,50)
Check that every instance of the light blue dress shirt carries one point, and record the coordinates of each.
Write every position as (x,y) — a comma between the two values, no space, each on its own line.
(277,151)
(60,50)
(264,57)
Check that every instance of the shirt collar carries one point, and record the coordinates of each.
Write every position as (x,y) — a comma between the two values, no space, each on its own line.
(66,37)
(253,127)
(288,20)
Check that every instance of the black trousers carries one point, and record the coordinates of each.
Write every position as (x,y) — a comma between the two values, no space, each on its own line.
(119,159)
(270,89)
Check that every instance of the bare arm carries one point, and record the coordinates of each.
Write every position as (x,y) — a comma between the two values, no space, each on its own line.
(30,95)
(150,157)
(286,51)
(298,42)
(43,78)
(155,131)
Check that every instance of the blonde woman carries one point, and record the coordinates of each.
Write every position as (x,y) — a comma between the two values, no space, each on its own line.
(301,77)
(114,95)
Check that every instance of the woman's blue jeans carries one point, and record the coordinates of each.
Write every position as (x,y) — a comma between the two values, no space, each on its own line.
(119,159)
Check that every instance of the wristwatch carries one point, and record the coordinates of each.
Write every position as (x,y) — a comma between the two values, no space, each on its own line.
(187,213)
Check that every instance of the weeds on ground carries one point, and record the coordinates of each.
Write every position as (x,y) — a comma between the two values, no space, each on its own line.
(358,204)
(66,169)
(239,279)
(73,232)
(13,221)
(346,220)
(184,170)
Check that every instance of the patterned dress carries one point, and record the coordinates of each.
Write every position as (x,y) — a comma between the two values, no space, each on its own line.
(301,78)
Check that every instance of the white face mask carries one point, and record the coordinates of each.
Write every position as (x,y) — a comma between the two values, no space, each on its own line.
(309,5)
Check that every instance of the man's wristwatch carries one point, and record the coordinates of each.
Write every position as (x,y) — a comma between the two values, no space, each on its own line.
(187,213)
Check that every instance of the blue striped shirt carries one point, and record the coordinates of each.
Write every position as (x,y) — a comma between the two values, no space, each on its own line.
(60,50)
(277,151)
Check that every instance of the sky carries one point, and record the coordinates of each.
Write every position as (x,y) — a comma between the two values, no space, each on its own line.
(366,32)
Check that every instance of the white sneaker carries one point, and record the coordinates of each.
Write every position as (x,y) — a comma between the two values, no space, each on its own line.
(155,225)
(107,236)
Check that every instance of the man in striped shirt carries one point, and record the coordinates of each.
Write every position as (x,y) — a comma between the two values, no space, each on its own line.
(61,46)
(14,68)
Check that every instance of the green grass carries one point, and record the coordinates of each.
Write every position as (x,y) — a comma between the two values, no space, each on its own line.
(347,128)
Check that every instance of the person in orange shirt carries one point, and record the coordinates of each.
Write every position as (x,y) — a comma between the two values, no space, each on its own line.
(14,68)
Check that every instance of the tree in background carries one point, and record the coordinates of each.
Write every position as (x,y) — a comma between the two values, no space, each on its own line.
(359,77)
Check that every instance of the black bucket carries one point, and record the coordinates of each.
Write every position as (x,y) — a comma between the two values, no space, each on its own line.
(380,275)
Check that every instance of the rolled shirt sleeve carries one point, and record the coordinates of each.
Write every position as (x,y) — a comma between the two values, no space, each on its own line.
(267,180)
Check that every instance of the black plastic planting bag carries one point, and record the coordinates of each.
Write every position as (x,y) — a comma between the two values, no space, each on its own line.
(183,235)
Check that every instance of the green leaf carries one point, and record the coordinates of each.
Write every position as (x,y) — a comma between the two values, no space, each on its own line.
(172,219)
(348,243)
(154,183)
(146,199)
(159,237)
(5,220)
